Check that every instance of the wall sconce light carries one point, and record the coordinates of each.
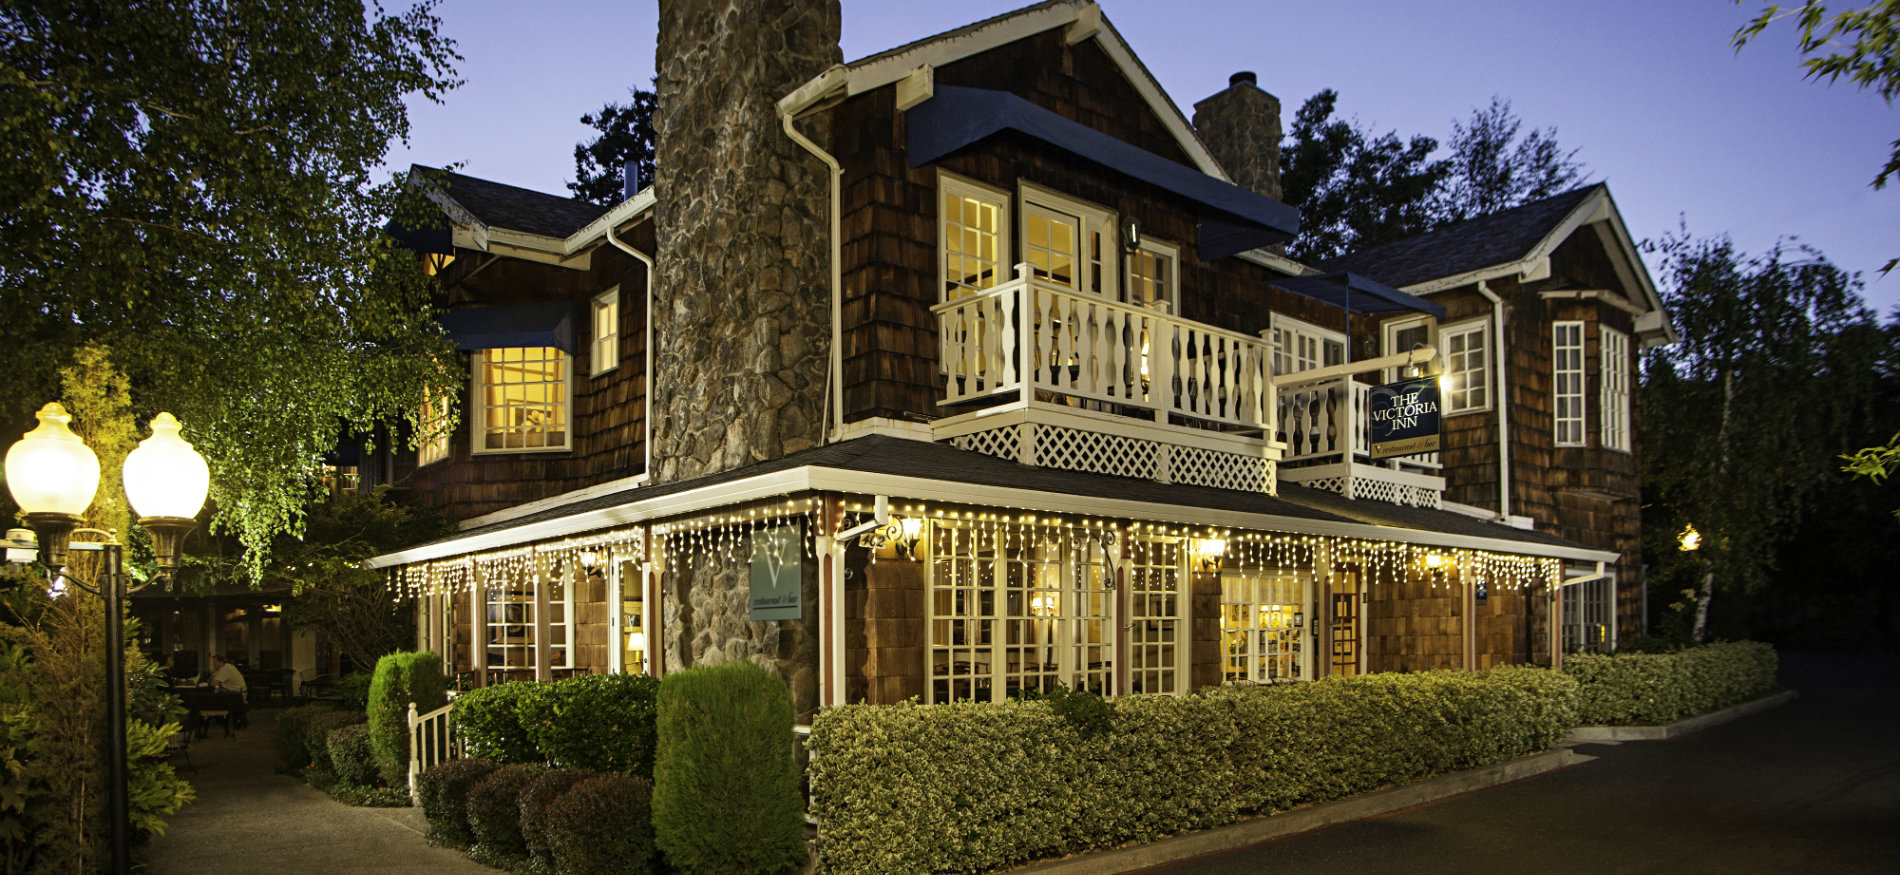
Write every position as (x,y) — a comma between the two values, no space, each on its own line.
(1435,563)
(1208,552)
(1690,540)
(1131,234)
(898,533)
(589,559)
(1045,604)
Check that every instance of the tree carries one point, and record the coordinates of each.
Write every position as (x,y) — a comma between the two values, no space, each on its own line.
(1743,421)
(1355,189)
(209,222)
(360,610)
(1492,170)
(1872,60)
(626,135)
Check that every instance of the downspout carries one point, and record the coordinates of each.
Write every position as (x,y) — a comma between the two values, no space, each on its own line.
(788,108)
(1501,402)
(647,442)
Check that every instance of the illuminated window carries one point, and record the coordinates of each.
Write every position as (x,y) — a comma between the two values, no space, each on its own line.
(974,228)
(1590,615)
(1068,242)
(1616,389)
(521,400)
(1566,362)
(1151,276)
(606,345)
(512,616)
(1262,617)
(633,621)
(1156,633)
(434,426)
(1467,366)
(1300,346)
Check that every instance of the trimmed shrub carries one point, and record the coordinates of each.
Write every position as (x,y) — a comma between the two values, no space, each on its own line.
(292,723)
(350,756)
(598,721)
(725,788)
(443,790)
(602,826)
(401,678)
(979,787)
(316,735)
(1648,689)
(353,690)
(486,721)
(535,798)
(494,808)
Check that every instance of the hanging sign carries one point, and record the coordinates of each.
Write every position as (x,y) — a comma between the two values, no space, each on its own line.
(778,574)
(1404,418)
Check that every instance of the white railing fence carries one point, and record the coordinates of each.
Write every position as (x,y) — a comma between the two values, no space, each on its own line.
(431,740)
(1031,335)
(1327,420)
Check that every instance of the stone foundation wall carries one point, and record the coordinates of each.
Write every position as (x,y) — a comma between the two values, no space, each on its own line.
(707,601)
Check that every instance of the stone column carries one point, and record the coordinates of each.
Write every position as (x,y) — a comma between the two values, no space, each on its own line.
(1241,126)
(741,306)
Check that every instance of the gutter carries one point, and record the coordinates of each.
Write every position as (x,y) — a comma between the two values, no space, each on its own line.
(647,442)
(789,106)
(1498,401)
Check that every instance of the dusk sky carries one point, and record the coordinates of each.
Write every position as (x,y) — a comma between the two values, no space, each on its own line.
(1649,91)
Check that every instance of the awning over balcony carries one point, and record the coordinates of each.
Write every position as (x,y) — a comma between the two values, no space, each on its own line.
(1233,219)
(1357,294)
(545,323)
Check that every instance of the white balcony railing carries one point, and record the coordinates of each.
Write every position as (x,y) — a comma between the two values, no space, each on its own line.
(1327,421)
(1029,336)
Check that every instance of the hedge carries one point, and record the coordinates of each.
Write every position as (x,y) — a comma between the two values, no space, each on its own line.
(316,735)
(350,755)
(537,796)
(725,782)
(978,787)
(487,722)
(603,825)
(599,721)
(292,723)
(400,679)
(1649,689)
(443,790)
(494,808)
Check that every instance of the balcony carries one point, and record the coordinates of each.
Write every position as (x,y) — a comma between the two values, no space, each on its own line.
(1041,374)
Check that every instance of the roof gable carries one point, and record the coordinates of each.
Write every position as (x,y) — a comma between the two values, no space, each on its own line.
(498,205)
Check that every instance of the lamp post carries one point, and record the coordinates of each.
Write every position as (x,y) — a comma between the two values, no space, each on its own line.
(53,476)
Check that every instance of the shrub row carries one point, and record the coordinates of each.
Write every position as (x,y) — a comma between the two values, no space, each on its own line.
(976,787)
(529,817)
(303,737)
(1648,689)
(602,722)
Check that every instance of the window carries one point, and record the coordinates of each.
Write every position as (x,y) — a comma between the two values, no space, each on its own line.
(1590,615)
(521,400)
(433,443)
(1261,620)
(974,224)
(606,346)
(1068,242)
(1404,335)
(513,613)
(1155,631)
(1467,366)
(1151,277)
(1616,388)
(1566,363)
(1300,346)
(1015,611)
(633,622)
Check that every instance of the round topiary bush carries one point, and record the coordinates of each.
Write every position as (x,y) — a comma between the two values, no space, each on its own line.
(350,756)
(536,797)
(443,789)
(494,808)
(316,735)
(602,826)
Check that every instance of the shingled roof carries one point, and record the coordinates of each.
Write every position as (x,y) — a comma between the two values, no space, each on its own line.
(519,209)
(1487,241)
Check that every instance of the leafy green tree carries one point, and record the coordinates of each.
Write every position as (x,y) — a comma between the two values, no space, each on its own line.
(1355,189)
(626,135)
(1743,421)
(360,610)
(1862,45)
(210,222)
(1492,169)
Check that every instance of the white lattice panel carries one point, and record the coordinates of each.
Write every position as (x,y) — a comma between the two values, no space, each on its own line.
(1000,442)
(1220,470)
(1379,490)
(1076,450)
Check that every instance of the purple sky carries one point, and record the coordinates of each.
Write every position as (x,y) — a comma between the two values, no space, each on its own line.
(1650,93)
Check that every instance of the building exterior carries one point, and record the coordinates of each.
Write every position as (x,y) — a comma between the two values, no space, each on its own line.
(968,369)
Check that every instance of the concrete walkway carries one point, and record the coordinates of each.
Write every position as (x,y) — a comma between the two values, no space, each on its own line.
(248,819)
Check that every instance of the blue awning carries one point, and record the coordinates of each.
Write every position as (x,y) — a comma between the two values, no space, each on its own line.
(545,323)
(1357,294)
(1233,219)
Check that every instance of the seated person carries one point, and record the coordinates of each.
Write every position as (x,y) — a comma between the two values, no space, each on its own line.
(225,677)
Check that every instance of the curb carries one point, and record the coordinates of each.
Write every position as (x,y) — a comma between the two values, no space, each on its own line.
(1614,734)
(1264,829)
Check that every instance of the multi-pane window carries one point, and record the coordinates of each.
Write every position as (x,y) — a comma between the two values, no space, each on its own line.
(1262,617)
(1403,335)
(1151,276)
(633,621)
(606,345)
(1068,242)
(1589,615)
(1566,362)
(434,425)
(512,616)
(974,222)
(1300,346)
(521,400)
(1156,634)
(1018,610)
(1616,388)
(1467,366)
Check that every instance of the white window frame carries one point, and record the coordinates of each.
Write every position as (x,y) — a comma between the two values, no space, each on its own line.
(1265,641)
(1567,383)
(1096,267)
(1389,331)
(998,202)
(1302,346)
(1589,621)
(1158,583)
(435,413)
(1614,347)
(479,408)
(518,651)
(1467,379)
(605,313)
(1166,254)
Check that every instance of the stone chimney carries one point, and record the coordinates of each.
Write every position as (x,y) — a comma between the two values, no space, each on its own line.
(1241,126)
(741,301)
